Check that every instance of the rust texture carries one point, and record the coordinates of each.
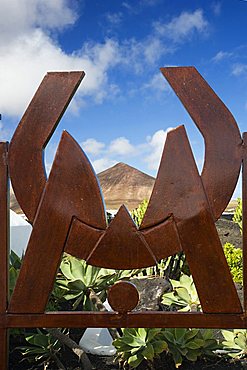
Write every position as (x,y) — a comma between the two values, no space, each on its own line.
(37,125)
(68,215)
(4,251)
(123,297)
(220,132)
(79,195)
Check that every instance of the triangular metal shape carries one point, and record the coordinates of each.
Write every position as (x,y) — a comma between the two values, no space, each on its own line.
(122,246)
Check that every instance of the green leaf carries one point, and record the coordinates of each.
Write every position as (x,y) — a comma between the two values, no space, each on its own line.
(169,335)
(191,333)
(177,358)
(142,333)
(121,347)
(159,346)
(40,340)
(135,360)
(183,294)
(133,341)
(148,352)
(195,344)
(66,269)
(240,340)
(130,331)
(207,334)
(152,333)
(179,333)
(231,345)
(192,355)
(186,281)
(210,344)
(228,335)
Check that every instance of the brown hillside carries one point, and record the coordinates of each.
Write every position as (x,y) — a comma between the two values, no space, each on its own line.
(120,184)
(123,184)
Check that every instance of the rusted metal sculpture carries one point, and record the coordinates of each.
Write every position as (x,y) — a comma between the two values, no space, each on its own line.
(68,215)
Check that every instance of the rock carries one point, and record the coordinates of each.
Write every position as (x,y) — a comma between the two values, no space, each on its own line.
(150,291)
(97,341)
(229,232)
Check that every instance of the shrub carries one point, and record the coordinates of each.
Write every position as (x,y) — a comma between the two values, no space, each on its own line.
(234,257)
(237,217)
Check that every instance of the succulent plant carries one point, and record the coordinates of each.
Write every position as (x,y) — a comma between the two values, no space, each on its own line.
(184,296)
(140,344)
(77,277)
(235,342)
(189,343)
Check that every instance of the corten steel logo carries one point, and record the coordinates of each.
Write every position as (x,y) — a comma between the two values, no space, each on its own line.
(68,215)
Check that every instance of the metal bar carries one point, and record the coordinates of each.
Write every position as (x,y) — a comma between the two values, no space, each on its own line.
(133,319)
(244,218)
(4,252)
(3,349)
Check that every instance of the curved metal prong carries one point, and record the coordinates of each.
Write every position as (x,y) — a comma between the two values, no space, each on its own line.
(223,143)
(179,191)
(27,171)
(71,190)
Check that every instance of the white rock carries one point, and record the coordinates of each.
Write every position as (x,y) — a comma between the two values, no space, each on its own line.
(97,341)
(20,231)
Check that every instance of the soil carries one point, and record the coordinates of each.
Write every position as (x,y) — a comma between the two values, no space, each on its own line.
(164,362)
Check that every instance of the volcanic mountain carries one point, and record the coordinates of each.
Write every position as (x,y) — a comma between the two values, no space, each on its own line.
(123,184)
(120,184)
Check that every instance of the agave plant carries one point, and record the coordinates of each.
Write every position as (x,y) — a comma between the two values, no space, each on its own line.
(42,349)
(140,344)
(235,342)
(189,343)
(184,296)
(77,278)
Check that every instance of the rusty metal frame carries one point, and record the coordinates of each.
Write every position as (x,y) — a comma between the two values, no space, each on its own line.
(181,214)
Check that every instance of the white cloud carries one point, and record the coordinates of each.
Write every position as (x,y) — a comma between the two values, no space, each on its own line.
(149,2)
(216,7)
(221,55)
(121,146)
(156,145)
(114,19)
(136,7)
(239,69)
(137,55)
(183,26)
(21,17)
(102,164)
(92,146)
(157,83)
(28,51)
(148,152)
(4,134)
(25,61)
(162,40)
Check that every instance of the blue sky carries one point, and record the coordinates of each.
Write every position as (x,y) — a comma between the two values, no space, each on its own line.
(124,106)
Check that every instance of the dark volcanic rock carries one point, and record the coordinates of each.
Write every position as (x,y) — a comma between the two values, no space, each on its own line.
(150,290)
(229,232)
